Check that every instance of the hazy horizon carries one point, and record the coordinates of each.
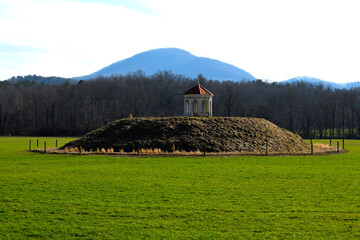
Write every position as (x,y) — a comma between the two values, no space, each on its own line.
(272,40)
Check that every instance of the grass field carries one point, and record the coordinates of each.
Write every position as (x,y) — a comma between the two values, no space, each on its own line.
(48,196)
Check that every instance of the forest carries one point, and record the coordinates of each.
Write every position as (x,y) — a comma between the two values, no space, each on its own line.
(29,108)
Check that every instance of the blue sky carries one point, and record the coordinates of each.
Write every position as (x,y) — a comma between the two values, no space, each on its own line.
(274,40)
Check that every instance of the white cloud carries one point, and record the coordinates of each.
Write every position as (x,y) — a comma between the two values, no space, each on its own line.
(74,31)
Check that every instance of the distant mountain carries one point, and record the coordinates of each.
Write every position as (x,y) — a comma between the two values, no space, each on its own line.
(317,81)
(41,79)
(175,60)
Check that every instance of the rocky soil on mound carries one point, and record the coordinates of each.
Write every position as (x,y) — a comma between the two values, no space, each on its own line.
(210,134)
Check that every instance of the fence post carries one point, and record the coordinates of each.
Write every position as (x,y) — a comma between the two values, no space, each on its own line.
(343,143)
(330,142)
(37,143)
(337,150)
(56,143)
(30,145)
(312,148)
(45,146)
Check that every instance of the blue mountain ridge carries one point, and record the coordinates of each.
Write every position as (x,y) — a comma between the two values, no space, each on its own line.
(317,82)
(175,60)
(181,62)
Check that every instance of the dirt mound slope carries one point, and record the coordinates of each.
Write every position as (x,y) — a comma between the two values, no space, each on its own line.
(210,134)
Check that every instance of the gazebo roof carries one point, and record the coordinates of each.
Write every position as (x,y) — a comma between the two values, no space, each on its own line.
(198,89)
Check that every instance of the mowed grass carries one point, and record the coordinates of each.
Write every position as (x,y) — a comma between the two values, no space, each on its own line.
(48,196)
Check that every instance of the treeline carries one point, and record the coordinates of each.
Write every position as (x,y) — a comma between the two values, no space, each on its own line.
(41,79)
(73,109)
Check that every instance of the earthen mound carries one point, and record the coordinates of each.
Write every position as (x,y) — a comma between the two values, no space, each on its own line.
(210,134)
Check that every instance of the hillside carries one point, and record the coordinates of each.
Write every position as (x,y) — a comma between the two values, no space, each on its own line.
(175,60)
(318,82)
(215,134)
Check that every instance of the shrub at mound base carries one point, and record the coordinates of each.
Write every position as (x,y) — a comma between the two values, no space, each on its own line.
(210,134)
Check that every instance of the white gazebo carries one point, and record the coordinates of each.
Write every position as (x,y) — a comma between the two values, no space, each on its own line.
(198,102)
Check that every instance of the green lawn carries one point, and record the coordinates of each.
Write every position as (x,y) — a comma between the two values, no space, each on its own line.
(46,196)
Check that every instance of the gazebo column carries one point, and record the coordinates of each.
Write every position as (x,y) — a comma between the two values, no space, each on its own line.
(199,106)
(191,102)
(185,107)
(208,106)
